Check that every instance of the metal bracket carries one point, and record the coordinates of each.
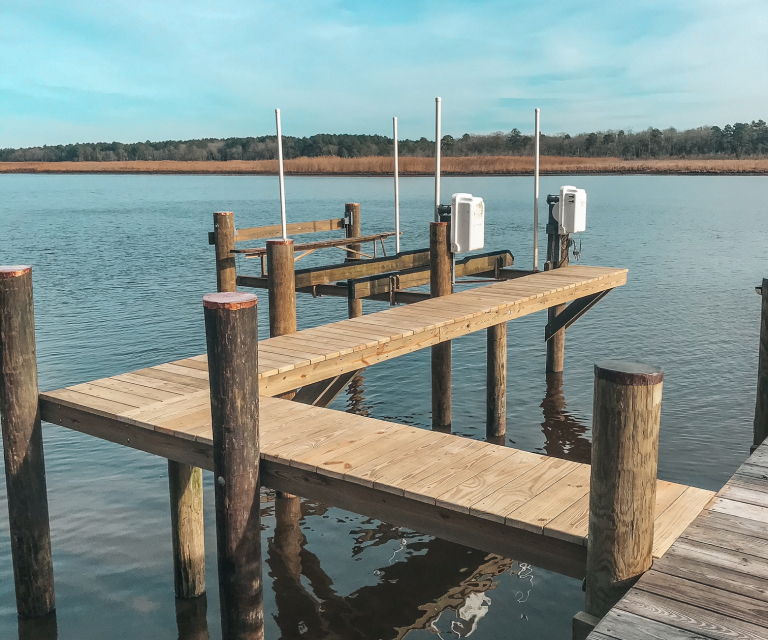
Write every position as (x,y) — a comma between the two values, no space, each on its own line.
(211,237)
(394,285)
(348,218)
(572,313)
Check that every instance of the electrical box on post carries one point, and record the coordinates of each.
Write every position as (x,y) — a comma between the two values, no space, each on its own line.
(467,222)
(572,210)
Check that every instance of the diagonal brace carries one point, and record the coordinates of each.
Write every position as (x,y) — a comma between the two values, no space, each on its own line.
(322,393)
(572,313)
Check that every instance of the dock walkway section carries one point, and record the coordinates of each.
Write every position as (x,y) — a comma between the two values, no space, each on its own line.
(499,499)
(713,581)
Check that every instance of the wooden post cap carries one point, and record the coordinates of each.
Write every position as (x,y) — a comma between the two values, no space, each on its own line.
(14,270)
(230,300)
(279,241)
(352,204)
(631,374)
(438,224)
(223,213)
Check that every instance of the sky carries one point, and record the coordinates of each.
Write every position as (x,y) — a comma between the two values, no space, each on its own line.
(129,70)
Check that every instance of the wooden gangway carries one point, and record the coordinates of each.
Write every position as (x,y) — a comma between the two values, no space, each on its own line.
(499,499)
(712,581)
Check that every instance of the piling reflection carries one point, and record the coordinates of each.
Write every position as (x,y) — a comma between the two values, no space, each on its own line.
(564,434)
(438,579)
(191,620)
(355,400)
(44,628)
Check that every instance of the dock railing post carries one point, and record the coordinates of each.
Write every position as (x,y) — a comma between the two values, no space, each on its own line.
(224,241)
(23,446)
(440,285)
(231,331)
(496,384)
(352,214)
(557,256)
(761,402)
(622,497)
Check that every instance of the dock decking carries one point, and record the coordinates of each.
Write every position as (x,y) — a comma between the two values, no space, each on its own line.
(503,500)
(713,581)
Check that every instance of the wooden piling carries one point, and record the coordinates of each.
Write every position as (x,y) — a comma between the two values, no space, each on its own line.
(231,331)
(185,485)
(625,447)
(761,402)
(23,446)
(440,285)
(557,256)
(281,287)
(224,241)
(496,384)
(352,211)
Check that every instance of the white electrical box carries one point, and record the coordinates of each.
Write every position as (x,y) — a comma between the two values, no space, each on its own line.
(467,222)
(572,210)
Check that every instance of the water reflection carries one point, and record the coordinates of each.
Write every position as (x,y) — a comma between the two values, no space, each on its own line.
(191,618)
(564,434)
(44,628)
(436,577)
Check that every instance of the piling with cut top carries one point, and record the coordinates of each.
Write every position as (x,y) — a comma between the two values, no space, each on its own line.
(231,332)
(622,499)
(761,402)
(496,383)
(281,287)
(23,446)
(224,241)
(185,484)
(352,213)
(557,256)
(440,285)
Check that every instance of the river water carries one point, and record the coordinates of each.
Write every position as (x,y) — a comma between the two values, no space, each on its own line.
(121,264)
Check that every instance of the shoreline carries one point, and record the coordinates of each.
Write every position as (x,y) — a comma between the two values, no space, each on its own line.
(507,166)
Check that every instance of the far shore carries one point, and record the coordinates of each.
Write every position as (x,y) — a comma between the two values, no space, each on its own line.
(409,166)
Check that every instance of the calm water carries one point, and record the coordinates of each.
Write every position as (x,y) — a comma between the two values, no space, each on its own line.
(121,264)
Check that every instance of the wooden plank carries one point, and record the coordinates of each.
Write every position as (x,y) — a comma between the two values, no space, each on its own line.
(107,393)
(135,389)
(705,597)
(740,509)
(673,521)
(572,524)
(514,494)
(92,403)
(540,510)
(623,625)
(293,229)
(463,496)
(319,244)
(181,379)
(688,617)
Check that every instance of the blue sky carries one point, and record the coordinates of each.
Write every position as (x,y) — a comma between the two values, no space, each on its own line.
(102,70)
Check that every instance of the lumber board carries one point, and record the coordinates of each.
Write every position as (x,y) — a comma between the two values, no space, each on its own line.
(293,229)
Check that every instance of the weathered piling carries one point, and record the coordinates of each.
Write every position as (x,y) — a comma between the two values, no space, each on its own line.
(185,485)
(23,446)
(224,242)
(191,618)
(761,402)
(281,287)
(352,214)
(625,447)
(496,384)
(231,331)
(557,256)
(440,285)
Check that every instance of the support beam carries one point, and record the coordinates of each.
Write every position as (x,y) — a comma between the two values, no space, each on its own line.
(185,484)
(496,384)
(293,228)
(352,214)
(322,393)
(557,256)
(761,402)
(440,285)
(23,446)
(231,331)
(572,313)
(622,498)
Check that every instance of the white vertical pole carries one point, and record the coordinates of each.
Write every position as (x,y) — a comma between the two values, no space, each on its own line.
(536,198)
(437,157)
(280,172)
(397,189)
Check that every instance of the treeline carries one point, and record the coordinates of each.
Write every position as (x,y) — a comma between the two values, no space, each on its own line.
(737,140)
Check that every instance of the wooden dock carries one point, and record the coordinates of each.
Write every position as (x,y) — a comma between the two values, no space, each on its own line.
(499,499)
(713,581)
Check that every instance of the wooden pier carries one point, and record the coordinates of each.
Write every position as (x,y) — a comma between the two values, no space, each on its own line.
(255,412)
